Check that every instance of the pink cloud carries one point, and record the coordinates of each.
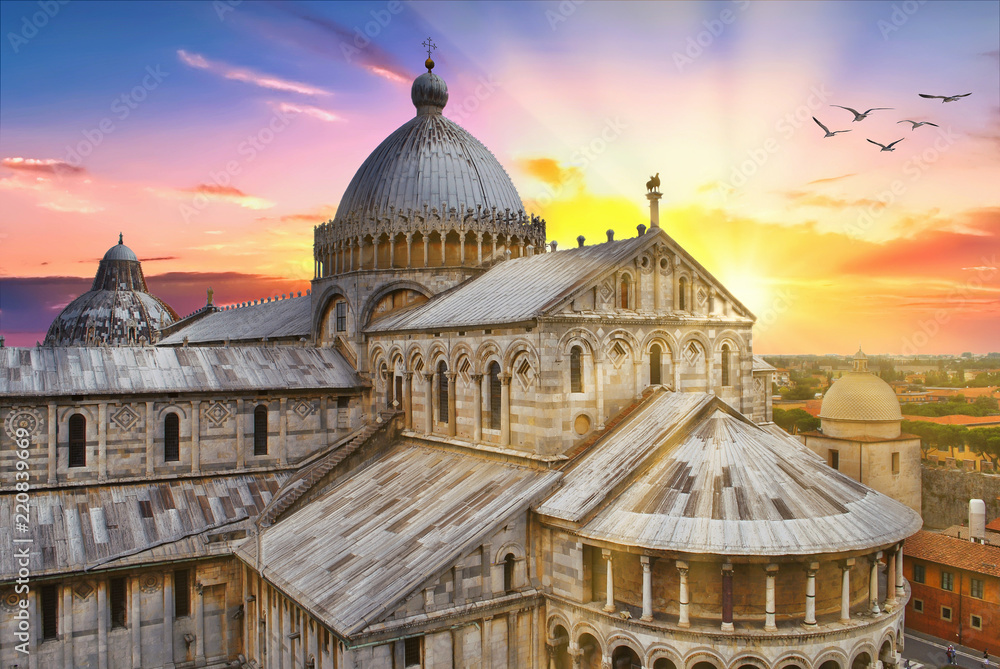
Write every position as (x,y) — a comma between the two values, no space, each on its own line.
(248,76)
(41,166)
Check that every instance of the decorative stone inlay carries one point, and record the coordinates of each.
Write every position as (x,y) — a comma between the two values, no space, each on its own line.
(702,296)
(525,374)
(22,419)
(617,354)
(607,291)
(465,370)
(758,385)
(218,413)
(150,583)
(83,590)
(692,353)
(303,409)
(125,418)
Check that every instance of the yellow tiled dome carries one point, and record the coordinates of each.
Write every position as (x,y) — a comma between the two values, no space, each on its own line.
(860,396)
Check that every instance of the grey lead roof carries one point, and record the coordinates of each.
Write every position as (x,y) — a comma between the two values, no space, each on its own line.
(728,487)
(514,290)
(118,370)
(278,319)
(372,539)
(83,528)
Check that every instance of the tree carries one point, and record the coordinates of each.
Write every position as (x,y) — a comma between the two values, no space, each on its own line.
(795,421)
(985,441)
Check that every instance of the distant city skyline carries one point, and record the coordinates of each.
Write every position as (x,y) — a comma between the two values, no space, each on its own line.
(215,135)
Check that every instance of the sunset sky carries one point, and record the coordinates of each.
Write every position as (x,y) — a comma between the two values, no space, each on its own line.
(215,135)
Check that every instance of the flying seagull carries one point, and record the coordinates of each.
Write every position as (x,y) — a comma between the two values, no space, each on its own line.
(917,124)
(889,147)
(827,130)
(858,116)
(944,98)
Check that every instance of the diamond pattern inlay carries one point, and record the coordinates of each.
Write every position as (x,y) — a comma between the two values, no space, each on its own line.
(125,418)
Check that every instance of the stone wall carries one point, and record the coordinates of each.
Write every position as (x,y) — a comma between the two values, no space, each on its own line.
(947,493)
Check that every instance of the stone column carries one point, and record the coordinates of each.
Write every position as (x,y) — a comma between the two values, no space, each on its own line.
(135,624)
(428,402)
(845,590)
(195,437)
(427,250)
(374,252)
(350,254)
(461,241)
(576,655)
(637,374)
(477,411)
(504,409)
(241,454)
(682,598)
(890,576)
(811,570)
(656,284)
(407,401)
(53,443)
(609,604)
(452,409)
(67,626)
(769,611)
(873,584)
(168,619)
(409,249)
(727,597)
(599,387)
(392,255)
(150,427)
(479,248)
(199,625)
(443,236)
(283,430)
(102,623)
(647,587)
(102,441)
(900,591)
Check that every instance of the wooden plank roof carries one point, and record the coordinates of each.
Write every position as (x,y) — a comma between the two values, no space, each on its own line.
(75,529)
(75,370)
(372,539)
(732,488)
(290,317)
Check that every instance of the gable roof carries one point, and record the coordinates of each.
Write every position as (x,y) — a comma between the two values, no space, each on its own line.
(65,370)
(369,541)
(291,317)
(514,291)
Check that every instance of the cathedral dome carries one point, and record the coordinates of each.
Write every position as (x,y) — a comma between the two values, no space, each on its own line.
(860,404)
(117,310)
(429,161)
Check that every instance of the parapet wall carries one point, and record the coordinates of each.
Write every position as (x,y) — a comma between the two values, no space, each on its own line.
(947,493)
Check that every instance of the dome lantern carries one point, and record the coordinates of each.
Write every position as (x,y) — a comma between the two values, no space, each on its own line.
(861,405)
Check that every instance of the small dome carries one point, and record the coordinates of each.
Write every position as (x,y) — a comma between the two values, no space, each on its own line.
(429,93)
(117,310)
(121,252)
(860,396)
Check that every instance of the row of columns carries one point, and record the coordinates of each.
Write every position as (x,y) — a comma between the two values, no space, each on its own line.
(341,257)
(894,590)
(477,416)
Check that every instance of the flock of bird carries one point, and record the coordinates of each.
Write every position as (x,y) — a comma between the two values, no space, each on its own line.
(860,116)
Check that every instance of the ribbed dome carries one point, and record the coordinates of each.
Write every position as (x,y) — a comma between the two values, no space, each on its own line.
(429,160)
(117,310)
(860,396)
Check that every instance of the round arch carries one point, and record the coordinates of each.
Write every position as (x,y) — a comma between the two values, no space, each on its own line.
(557,619)
(375,297)
(436,353)
(702,341)
(834,655)
(329,293)
(659,651)
(664,339)
(376,354)
(581,336)
(488,352)
(731,336)
(703,654)
(791,657)
(162,411)
(459,350)
(750,659)
(517,347)
(621,334)
(621,638)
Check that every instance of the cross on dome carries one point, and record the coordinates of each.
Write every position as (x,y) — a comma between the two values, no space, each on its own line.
(430,46)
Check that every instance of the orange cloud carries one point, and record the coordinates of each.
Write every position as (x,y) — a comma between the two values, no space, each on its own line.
(831,179)
(248,76)
(42,166)
(549,171)
(804,199)
(215,193)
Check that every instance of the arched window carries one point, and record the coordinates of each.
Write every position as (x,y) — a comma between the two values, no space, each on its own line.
(576,370)
(442,374)
(171,438)
(77,440)
(654,365)
(495,391)
(726,361)
(626,289)
(260,430)
(508,573)
(682,287)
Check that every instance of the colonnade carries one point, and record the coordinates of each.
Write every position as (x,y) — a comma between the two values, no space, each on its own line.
(894,590)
